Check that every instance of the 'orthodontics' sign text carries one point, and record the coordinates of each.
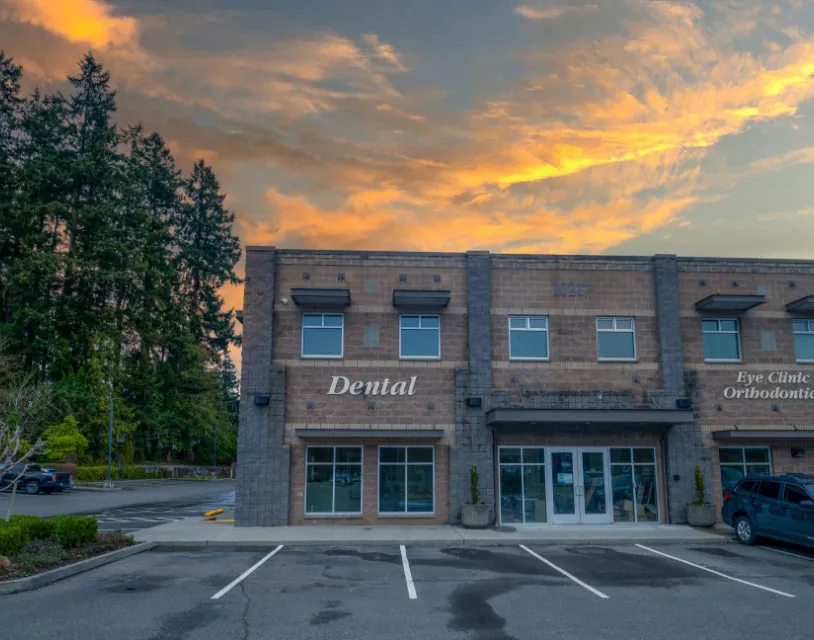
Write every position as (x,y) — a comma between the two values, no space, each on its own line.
(778,385)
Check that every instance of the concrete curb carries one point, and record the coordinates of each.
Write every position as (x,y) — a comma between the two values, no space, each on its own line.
(75,488)
(189,545)
(30,583)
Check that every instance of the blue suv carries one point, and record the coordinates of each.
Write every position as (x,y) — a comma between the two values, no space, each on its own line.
(779,507)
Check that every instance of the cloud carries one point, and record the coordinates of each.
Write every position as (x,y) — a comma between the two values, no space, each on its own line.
(552,12)
(81,21)
(384,51)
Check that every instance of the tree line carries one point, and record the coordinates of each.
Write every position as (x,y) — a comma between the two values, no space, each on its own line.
(111,259)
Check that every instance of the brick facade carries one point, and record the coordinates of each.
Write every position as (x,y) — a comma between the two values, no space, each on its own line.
(454,394)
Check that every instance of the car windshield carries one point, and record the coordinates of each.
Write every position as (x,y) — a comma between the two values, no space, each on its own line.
(810,488)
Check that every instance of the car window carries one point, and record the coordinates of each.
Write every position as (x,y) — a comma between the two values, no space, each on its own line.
(747,486)
(769,489)
(795,495)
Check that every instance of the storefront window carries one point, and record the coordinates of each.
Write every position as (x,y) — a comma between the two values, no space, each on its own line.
(406,480)
(333,480)
(736,462)
(522,484)
(635,484)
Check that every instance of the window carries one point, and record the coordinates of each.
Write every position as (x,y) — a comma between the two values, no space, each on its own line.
(746,487)
(795,495)
(635,484)
(407,480)
(615,339)
(769,489)
(528,338)
(803,340)
(721,339)
(420,337)
(522,484)
(736,462)
(322,335)
(333,480)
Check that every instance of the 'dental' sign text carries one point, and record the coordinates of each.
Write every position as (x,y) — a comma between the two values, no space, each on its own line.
(341,385)
(786,386)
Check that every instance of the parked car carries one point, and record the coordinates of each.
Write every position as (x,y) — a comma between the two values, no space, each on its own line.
(779,507)
(33,479)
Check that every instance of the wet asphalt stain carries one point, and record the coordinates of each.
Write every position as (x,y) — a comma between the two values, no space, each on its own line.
(473,613)
(468,558)
(718,552)
(370,556)
(327,616)
(303,588)
(140,584)
(184,625)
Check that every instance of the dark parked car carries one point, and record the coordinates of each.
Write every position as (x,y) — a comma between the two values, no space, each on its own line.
(779,507)
(35,479)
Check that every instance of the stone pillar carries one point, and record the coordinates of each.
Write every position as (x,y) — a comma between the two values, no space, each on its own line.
(684,443)
(263,460)
(473,441)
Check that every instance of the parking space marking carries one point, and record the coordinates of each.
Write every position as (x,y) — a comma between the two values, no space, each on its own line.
(408,576)
(787,553)
(244,575)
(718,573)
(596,592)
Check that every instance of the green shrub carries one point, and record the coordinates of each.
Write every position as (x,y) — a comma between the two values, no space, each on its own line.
(134,473)
(62,439)
(32,527)
(95,474)
(11,539)
(73,531)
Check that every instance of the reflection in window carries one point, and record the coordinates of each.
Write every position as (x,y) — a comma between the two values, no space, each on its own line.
(322,335)
(635,484)
(333,480)
(721,339)
(406,480)
(736,462)
(615,339)
(522,484)
(420,337)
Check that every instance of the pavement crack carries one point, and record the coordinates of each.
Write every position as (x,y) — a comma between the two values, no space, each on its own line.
(245,617)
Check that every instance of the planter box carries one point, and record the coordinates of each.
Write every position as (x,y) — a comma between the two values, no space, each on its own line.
(475,516)
(702,515)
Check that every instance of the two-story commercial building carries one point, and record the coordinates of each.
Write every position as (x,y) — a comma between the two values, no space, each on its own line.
(583,389)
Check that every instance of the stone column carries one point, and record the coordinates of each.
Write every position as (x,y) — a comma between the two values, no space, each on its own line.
(263,460)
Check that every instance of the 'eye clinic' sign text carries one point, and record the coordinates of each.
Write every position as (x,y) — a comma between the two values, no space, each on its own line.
(746,389)
(341,385)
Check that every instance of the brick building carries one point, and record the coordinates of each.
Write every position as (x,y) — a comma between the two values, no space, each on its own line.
(584,389)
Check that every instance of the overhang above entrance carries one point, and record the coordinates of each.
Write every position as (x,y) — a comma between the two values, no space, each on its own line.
(421,300)
(729,303)
(588,417)
(321,298)
(762,434)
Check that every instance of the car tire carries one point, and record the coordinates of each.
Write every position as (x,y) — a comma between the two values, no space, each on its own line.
(32,487)
(745,530)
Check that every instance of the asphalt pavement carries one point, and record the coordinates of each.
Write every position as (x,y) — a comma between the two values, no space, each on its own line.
(661,592)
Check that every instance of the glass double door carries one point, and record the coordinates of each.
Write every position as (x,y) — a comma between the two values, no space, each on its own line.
(580,485)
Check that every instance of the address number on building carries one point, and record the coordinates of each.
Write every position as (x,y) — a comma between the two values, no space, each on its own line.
(569,289)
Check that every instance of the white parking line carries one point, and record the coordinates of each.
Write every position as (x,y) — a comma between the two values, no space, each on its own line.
(786,553)
(243,575)
(718,573)
(408,576)
(565,573)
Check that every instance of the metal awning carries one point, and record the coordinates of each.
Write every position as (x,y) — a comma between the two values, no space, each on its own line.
(421,299)
(801,305)
(730,303)
(762,434)
(369,433)
(321,298)
(588,417)
(239,316)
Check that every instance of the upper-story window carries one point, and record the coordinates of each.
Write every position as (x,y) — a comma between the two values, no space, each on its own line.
(721,339)
(528,337)
(420,337)
(322,335)
(803,340)
(616,338)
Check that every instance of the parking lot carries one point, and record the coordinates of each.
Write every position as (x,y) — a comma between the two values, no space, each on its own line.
(482,593)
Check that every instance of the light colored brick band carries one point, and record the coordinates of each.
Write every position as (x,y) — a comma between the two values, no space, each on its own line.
(379,364)
(529,311)
(758,427)
(292,426)
(752,366)
(363,308)
(580,366)
(754,313)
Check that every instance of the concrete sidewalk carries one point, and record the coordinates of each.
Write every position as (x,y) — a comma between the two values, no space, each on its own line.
(194,532)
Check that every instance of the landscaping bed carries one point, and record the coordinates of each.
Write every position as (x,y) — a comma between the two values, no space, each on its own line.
(30,545)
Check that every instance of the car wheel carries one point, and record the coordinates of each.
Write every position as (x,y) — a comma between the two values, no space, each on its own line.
(32,487)
(744,530)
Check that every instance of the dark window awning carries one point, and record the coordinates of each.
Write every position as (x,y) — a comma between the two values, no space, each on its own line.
(542,418)
(239,316)
(801,305)
(369,433)
(729,303)
(321,298)
(420,300)
(762,434)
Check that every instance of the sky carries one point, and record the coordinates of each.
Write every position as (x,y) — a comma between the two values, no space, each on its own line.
(574,126)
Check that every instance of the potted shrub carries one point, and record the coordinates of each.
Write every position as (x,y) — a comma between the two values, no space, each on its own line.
(701,513)
(474,514)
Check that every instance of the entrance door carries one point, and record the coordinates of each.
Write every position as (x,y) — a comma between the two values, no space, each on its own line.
(579,485)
